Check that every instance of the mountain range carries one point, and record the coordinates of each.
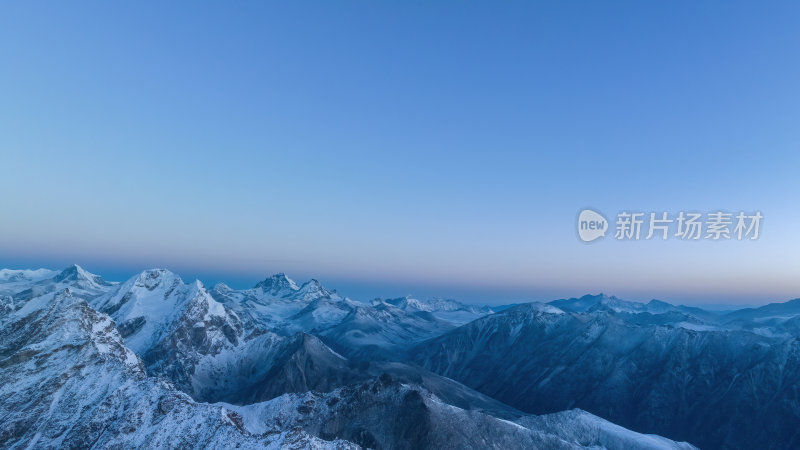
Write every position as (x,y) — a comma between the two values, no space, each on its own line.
(156,361)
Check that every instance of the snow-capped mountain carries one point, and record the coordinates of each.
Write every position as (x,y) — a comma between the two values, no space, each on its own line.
(148,306)
(70,382)
(598,302)
(641,370)
(184,334)
(25,284)
(10,276)
(171,324)
(588,430)
(589,303)
(381,330)
(774,319)
(273,301)
(444,309)
(385,413)
(278,285)
(268,365)
(116,371)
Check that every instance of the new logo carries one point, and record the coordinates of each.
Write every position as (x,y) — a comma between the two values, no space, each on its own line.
(591,225)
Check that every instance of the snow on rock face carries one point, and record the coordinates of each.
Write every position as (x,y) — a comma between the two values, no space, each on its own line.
(171,325)
(312,290)
(381,330)
(15,276)
(269,365)
(146,305)
(7,305)
(278,285)
(272,302)
(686,384)
(436,304)
(76,273)
(588,430)
(75,383)
(385,413)
(449,312)
(69,382)
(352,328)
(26,284)
(321,314)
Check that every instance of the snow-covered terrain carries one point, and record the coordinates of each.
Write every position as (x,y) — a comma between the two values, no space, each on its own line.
(379,330)
(704,378)
(70,382)
(156,361)
(448,310)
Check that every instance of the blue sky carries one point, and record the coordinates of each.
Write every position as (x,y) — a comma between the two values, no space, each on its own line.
(385,148)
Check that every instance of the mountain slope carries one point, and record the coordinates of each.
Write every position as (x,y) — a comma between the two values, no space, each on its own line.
(202,346)
(71,383)
(170,324)
(268,366)
(381,330)
(447,310)
(23,285)
(699,386)
(385,413)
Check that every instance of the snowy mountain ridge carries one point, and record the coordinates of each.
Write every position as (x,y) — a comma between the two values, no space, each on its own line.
(245,351)
(73,380)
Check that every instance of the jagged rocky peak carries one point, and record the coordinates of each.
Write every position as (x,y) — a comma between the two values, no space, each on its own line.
(77,376)
(278,285)
(78,273)
(6,304)
(312,290)
(153,303)
(222,288)
(153,278)
(76,385)
(62,322)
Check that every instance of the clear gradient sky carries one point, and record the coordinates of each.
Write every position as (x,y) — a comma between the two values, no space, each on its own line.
(385,148)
